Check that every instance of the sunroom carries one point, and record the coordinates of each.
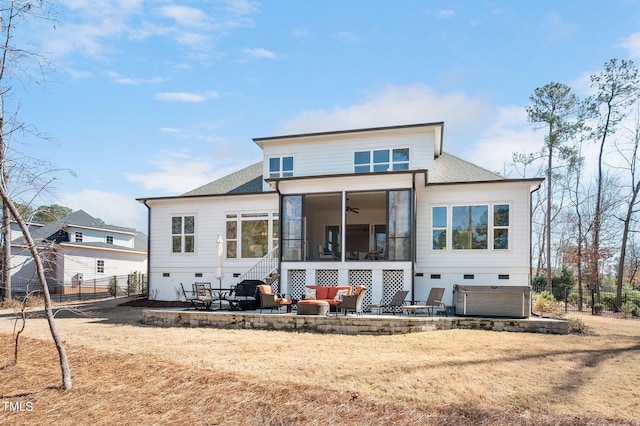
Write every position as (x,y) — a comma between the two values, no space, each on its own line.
(348,230)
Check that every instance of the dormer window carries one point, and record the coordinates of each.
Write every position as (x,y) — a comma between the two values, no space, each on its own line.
(280,167)
(381,160)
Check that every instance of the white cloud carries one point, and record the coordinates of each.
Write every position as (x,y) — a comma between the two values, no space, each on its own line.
(185,16)
(446,13)
(112,208)
(396,105)
(632,44)
(185,96)
(130,81)
(261,53)
(177,172)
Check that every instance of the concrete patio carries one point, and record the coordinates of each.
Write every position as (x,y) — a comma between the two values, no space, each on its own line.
(345,324)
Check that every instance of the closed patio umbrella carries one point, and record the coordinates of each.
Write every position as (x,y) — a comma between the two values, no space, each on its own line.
(219,273)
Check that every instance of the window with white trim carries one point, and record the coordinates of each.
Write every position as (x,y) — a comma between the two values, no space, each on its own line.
(183,234)
(381,160)
(109,239)
(439,228)
(470,227)
(280,167)
(251,235)
(78,237)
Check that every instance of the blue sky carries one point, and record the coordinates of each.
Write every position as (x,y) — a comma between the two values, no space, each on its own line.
(157,97)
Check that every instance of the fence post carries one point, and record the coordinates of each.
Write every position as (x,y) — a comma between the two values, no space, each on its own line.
(593,301)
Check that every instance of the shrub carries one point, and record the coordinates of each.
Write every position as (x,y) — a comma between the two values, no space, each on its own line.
(132,284)
(576,325)
(598,308)
(628,309)
(113,286)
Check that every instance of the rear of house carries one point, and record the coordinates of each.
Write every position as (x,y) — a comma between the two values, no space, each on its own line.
(380,207)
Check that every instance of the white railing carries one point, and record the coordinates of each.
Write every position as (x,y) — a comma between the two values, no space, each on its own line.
(265,266)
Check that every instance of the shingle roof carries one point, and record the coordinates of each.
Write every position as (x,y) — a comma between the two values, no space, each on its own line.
(247,180)
(448,168)
(82,219)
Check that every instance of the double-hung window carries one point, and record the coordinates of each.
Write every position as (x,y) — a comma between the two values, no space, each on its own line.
(470,227)
(183,234)
(280,167)
(381,160)
(79,236)
(100,266)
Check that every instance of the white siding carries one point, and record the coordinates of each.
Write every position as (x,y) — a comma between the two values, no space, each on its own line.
(91,235)
(83,261)
(334,154)
(210,221)
(484,265)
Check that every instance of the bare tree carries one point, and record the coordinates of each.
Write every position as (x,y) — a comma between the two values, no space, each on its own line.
(559,111)
(11,62)
(618,87)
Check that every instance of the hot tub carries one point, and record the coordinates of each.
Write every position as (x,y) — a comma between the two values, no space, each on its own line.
(492,300)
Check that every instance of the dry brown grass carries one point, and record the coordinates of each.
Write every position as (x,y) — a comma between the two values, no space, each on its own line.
(125,372)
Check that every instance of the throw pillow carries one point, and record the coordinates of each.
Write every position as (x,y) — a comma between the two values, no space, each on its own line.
(339,294)
(309,293)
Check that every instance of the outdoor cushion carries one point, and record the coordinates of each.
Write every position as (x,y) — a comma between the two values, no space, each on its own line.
(339,294)
(323,293)
(309,293)
(359,289)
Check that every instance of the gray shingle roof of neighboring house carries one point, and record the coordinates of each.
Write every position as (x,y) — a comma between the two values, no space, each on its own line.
(448,168)
(247,180)
(82,219)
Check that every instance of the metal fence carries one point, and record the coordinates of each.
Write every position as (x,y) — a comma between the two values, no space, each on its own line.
(590,299)
(99,288)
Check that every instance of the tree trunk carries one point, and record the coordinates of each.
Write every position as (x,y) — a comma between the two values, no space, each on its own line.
(62,354)
(549,195)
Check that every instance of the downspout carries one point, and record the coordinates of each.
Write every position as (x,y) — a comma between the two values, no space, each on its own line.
(148,248)
(414,224)
(277,188)
(531,232)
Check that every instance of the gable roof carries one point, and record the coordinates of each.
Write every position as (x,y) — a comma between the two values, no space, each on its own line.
(82,219)
(448,168)
(244,181)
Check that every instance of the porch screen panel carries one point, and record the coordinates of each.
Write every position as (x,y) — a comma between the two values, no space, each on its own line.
(292,227)
(399,236)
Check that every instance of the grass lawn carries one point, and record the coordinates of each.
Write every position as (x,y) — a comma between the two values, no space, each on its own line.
(128,373)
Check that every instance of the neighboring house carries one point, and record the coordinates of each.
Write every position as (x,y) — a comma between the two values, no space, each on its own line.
(79,248)
(384,207)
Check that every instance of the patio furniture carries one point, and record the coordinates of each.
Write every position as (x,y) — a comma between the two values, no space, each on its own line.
(313,307)
(271,300)
(328,294)
(244,296)
(325,253)
(397,301)
(434,301)
(354,302)
(204,295)
(190,296)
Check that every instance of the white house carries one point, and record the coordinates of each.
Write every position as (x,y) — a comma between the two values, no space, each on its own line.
(384,207)
(80,249)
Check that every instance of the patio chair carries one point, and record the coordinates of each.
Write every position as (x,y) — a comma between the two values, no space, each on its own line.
(325,253)
(353,302)
(271,300)
(204,294)
(434,301)
(190,296)
(397,301)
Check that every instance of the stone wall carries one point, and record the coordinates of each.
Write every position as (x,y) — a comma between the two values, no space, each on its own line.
(365,324)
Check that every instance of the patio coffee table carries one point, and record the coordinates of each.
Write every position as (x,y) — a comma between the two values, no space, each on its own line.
(312,307)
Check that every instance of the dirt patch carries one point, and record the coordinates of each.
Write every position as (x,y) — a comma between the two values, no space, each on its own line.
(147,303)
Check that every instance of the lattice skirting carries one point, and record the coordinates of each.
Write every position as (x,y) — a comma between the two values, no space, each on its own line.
(362,277)
(392,281)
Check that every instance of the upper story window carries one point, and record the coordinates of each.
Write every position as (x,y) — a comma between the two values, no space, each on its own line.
(183,234)
(100,266)
(280,167)
(471,227)
(381,160)
(78,237)
(109,239)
